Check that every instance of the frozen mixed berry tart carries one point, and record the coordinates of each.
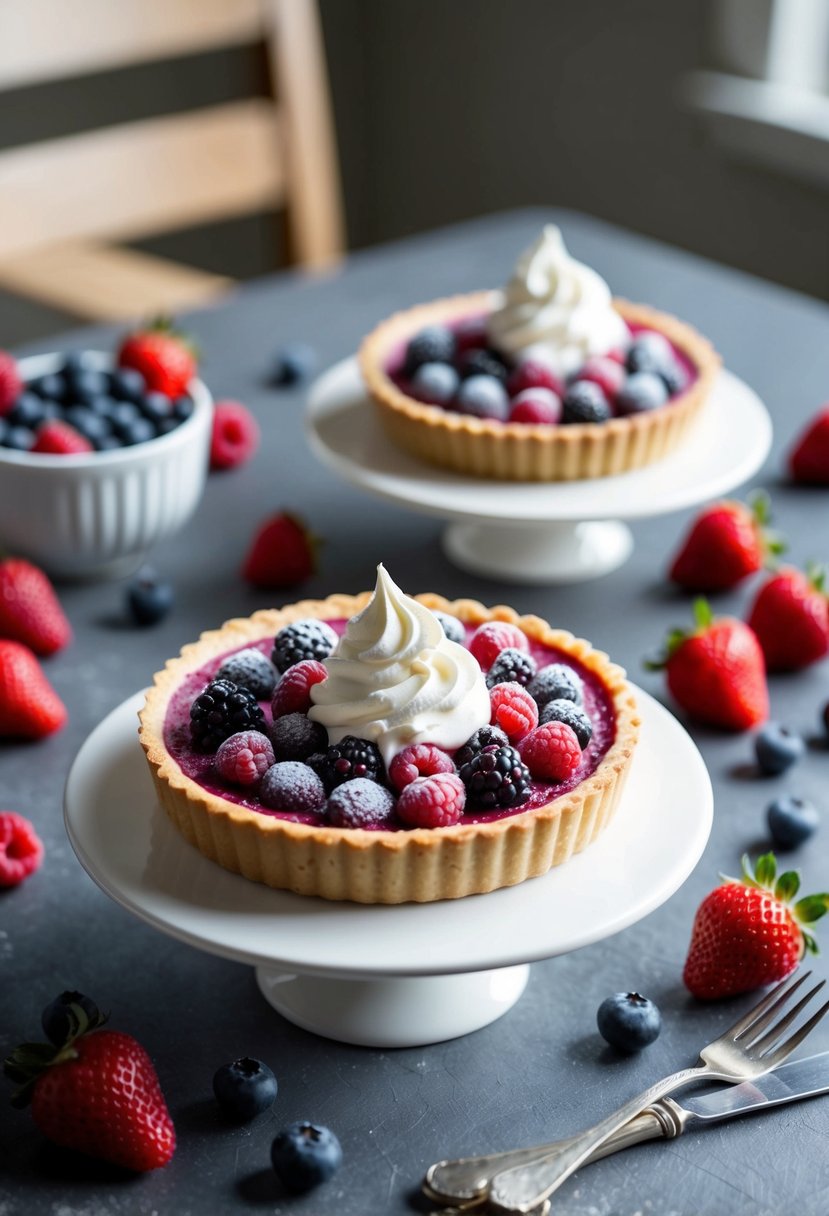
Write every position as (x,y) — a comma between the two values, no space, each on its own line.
(550,379)
(383,749)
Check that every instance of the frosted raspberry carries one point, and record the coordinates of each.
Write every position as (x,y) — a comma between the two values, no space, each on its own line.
(536,406)
(421,760)
(513,709)
(21,850)
(490,639)
(607,373)
(360,803)
(244,757)
(552,752)
(533,373)
(292,694)
(432,802)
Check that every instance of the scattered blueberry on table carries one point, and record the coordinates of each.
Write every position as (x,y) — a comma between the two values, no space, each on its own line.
(791,821)
(59,1018)
(294,364)
(149,598)
(244,1089)
(628,1021)
(777,748)
(305,1155)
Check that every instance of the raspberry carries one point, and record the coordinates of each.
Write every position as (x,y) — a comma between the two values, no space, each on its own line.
(552,752)
(607,373)
(292,787)
(352,757)
(471,333)
(292,694)
(295,737)
(250,669)
(490,639)
(59,439)
(452,627)
(536,406)
(21,850)
(485,736)
(244,757)
(235,435)
(533,373)
(432,802)
(511,666)
(223,709)
(566,711)
(556,682)
(311,639)
(496,777)
(513,709)
(11,386)
(360,803)
(421,760)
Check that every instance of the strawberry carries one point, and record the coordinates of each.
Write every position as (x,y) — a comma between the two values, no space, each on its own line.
(716,672)
(58,438)
(283,552)
(790,616)
(96,1092)
(29,706)
(11,384)
(30,612)
(748,933)
(809,458)
(726,542)
(166,358)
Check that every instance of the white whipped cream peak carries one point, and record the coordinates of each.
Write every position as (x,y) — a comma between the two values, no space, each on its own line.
(555,309)
(396,679)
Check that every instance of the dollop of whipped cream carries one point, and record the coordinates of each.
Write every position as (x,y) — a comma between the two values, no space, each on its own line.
(555,309)
(396,679)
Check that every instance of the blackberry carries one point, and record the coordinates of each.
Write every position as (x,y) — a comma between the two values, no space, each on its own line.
(483,362)
(565,711)
(350,758)
(496,777)
(303,640)
(452,627)
(556,682)
(295,737)
(584,401)
(252,670)
(485,736)
(220,711)
(511,665)
(434,344)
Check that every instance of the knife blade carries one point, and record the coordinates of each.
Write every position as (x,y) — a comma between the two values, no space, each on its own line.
(789,1083)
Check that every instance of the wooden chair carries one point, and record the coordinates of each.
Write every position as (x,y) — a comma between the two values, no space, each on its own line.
(64,201)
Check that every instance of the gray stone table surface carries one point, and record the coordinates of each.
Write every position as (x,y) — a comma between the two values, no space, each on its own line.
(542,1070)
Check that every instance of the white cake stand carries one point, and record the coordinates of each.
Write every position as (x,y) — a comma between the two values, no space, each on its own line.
(389,976)
(538,532)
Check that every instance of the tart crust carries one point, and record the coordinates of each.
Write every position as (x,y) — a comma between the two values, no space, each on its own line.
(521,452)
(381,867)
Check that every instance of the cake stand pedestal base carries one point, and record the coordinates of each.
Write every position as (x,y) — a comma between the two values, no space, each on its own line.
(545,553)
(394,1011)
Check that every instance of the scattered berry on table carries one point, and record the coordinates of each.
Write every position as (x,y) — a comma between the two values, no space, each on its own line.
(584,401)
(777,748)
(235,435)
(252,670)
(30,611)
(726,542)
(556,682)
(307,639)
(222,710)
(607,373)
(641,393)
(536,407)
(244,1089)
(628,1021)
(649,352)
(434,344)
(295,363)
(352,757)
(292,786)
(11,385)
(496,778)
(360,803)
(513,709)
(511,666)
(244,757)
(164,357)
(60,439)
(293,692)
(748,932)
(29,706)
(432,802)
(483,362)
(790,616)
(533,374)
(282,553)
(305,1155)
(296,737)
(561,710)
(419,760)
(60,1020)
(149,598)
(551,752)
(435,383)
(791,821)
(809,458)
(21,850)
(491,638)
(452,627)
(484,736)
(483,397)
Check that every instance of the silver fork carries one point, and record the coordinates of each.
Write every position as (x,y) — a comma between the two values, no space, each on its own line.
(742,1053)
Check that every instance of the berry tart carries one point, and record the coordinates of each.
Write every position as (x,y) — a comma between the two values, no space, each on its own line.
(384,749)
(548,380)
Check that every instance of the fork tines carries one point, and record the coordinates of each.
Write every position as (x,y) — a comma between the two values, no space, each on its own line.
(750,1027)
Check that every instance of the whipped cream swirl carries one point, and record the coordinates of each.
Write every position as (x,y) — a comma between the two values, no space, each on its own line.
(555,309)
(396,679)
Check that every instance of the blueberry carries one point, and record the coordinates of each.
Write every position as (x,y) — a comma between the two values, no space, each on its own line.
(155,406)
(649,352)
(183,408)
(139,431)
(109,443)
(294,363)
(59,1020)
(435,383)
(92,426)
(52,386)
(674,378)
(824,717)
(628,1021)
(791,821)
(483,397)
(252,670)
(103,405)
(28,410)
(483,362)
(291,786)
(452,627)
(168,424)
(556,682)
(123,415)
(127,384)
(641,392)
(77,362)
(149,599)
(244,1089)
(87,385)
(296,736)
(434,344)
(304,1155)
(777,748)
(565,711)
(584,401)
(4,430)
(19,438)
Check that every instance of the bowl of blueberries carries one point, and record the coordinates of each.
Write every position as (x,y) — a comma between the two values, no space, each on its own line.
(94,468)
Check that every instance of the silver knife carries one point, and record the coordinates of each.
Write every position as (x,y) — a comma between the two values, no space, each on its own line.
(466,1180)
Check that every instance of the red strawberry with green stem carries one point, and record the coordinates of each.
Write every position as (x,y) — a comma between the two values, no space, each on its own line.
(790,616)
(727,542)
(748,932)
(165,357)
(282,553)
(716,671)
(29,706)
(809,458)
(30,612)
(97,1093)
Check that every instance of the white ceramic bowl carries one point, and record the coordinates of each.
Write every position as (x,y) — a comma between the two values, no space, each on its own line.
(96,514)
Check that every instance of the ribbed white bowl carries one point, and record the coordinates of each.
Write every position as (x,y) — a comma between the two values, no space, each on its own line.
(95,515)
